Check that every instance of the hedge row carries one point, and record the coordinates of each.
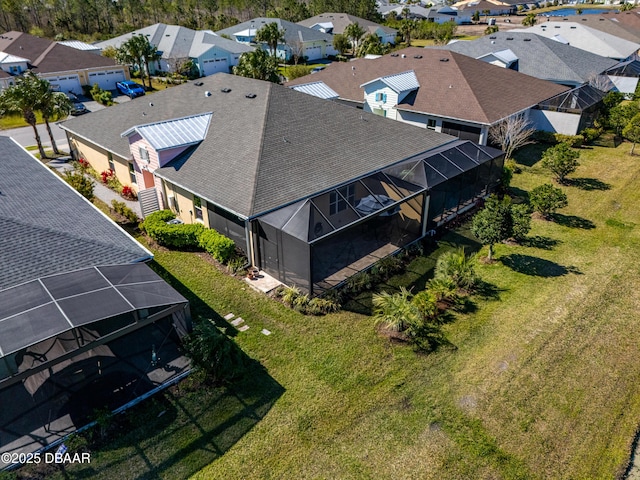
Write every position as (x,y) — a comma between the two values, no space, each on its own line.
(217,245)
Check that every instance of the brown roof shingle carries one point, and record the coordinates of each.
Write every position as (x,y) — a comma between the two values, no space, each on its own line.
(451,85)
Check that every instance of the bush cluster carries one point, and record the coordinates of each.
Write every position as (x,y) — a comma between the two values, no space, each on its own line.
(101,96)
(81,183)
(122,209)
(574,141)
(179,235)
(217,245)
(292,297)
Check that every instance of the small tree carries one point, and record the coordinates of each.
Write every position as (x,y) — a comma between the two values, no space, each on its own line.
(459,267)
(476,16)
(395,311)
(493,224)
(259,65)
(530,20)
(621,114)
(632,131)
(81,183)
(521,220)
(512,133)
(562,160)
(406,29)
(546,199)
(341,43)
(354,32)
(486,13)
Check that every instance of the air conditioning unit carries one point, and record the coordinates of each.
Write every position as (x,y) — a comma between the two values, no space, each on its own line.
(173,202)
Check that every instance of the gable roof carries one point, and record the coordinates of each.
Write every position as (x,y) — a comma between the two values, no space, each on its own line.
(398,82)
(538,56)
(179,132)
(47,227)
(454,86)
(481,5)
(8,58)
(264,152)
(46,56)
(586,38)
(340,21)
(293,31)
(317,89)
(176,42)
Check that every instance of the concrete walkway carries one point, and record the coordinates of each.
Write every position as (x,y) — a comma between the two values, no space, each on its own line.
(101,191)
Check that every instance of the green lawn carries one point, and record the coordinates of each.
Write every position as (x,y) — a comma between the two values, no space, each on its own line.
(541,379)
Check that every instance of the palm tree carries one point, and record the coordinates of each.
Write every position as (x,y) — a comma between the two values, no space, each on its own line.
(395,311)
(257,64)
(138,51)
(54,105)
(406,29)
(354,32)
(530,20)
(458,267)
(272,35)
(24,98)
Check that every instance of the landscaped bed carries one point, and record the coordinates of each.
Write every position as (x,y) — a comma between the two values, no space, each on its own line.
(540,378)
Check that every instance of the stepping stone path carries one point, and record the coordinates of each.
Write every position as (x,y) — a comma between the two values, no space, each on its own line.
(243,328)
(264,331)
(237,322)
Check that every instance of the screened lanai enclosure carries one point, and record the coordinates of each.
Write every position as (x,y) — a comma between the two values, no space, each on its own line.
(319,242)
(77,341)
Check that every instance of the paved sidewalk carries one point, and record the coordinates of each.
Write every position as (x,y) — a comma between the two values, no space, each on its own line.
(99,190)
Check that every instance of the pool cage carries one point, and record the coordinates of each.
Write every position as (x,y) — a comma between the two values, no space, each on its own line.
(319,242)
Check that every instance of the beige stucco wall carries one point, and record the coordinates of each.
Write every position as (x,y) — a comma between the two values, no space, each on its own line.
(98,159)
(185,204)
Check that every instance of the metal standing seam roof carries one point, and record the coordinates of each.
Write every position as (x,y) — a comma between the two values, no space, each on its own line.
(399,82)
(8,58)
(48,306)
(506,56)
(174,133)
(317,89)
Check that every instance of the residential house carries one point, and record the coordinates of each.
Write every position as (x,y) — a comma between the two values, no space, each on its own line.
(80,311)
(485,7)
(312,191)
(176,45)
(440,14)
(299,41)
(586,38)
(535,55)
(66,68)
(435,89)
(336,23)
(606,22)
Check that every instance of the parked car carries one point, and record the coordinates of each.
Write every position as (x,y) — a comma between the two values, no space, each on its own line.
(79,109)
(317,69)
(130,89)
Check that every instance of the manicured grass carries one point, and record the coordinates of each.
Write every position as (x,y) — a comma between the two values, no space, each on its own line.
(540,380)
(16,121)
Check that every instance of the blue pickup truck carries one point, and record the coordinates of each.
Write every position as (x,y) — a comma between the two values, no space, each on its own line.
(130,89)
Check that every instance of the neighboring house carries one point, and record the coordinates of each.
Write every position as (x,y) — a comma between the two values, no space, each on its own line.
(66,68)
(607,22)
(493,7)
(536,56)
(585,38)
(80,312)
(625,76)
(311,190)
(298,40)
(437,89)
(176,45)
(440,14)
(336,23)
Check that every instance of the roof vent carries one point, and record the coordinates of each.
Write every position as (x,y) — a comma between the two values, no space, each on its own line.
(526,39)
(557,26)
(493,42)
(225,90)
(583,19)
(207,93)
(601,19)
(198,84)
(250,95)
(565,19)
(394,54)
(509,38)
(404,56)
(417,56)
(150,104)
(493,38)
(574,27)
(444,59)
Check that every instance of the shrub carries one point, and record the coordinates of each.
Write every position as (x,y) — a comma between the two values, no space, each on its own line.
(322,306)
(81,165)
(128,192)
(521,220)
(236,264)
(426,302)
(101,96)
(171,235)
(81,183)
(575,141)
(443,288)
(457,266)
(591,134)
(297,71)
(289,295)
(561,160)
(389,266)
(122,209)
(359,283)
(512,165)
(546,199)
(106,176)
(300,303)
(217,245)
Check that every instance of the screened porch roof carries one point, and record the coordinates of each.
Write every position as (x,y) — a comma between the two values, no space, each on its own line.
(383,190)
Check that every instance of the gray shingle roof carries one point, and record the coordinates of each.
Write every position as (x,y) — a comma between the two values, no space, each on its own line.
(538,56)
(49,228)
(293,31)
(340,21)
(264,152)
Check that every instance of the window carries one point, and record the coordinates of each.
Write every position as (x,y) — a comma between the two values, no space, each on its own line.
(337,203)
(144,155)
(112,166)
(132,173)
(381,97)
(197,207)
(431,124)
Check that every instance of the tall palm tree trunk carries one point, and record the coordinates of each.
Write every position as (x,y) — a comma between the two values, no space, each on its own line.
(53,141)
(38,140)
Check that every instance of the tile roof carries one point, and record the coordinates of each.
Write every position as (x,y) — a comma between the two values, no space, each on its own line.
(263,152)
(454,86)
(538,56)
(46,56)
(586,38)
(340,21)
(317,89)
(175,41)
(47,227)
(293,31)
(174,133)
